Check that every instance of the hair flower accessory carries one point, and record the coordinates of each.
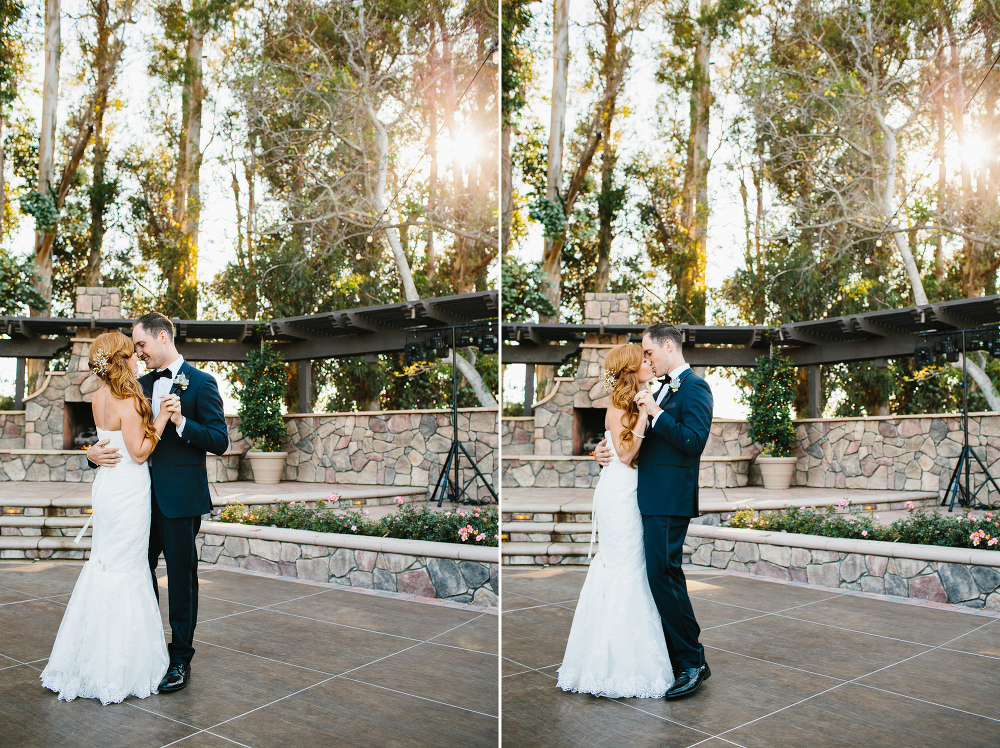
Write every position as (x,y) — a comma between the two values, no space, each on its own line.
(99,363)
(609,380)
(181,382)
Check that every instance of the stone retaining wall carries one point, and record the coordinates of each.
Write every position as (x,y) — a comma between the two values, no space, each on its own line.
(902,453)
(949,575)
(441,570)
(392,448)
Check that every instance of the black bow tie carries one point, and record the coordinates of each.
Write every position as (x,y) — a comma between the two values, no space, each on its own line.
(165,374)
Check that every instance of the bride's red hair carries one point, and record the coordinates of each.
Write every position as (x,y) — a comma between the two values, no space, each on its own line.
(623,363)
(109,355)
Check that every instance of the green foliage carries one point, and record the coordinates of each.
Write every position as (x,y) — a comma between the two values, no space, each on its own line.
(772,389)
(42,207)
(260,388)
(515,63)
(919,527)
(17,290)
(522,291)
(11,51)
(478,526)
(551,214)
(392,384)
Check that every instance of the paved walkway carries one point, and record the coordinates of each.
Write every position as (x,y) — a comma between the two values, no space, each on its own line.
(278,663)
(792,665)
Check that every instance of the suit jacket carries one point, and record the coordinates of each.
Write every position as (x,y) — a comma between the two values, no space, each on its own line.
(670,455)
(177,466)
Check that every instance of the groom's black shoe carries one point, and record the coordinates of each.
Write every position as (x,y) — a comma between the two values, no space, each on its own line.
(177,677)
(688,681)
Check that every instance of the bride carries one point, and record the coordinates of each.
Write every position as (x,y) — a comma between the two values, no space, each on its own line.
(110,643)
(616,646)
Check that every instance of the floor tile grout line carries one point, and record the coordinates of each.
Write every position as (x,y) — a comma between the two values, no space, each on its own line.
(758,610)
(529,669)
(852,680)
(763,614)
(925,701)
(658,716)
(778,664)
(543,605)
(417,696)
(852,631)
(262,706)
(327,680)
(271,608)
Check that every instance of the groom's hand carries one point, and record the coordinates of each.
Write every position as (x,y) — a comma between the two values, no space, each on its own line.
(172,404)
(644,398)
(602,453)
(103,455)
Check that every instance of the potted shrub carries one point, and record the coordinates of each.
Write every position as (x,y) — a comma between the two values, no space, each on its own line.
(772,390)
(260,392)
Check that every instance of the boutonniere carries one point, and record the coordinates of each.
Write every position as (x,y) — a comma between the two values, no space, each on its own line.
(181,382)
(675,384)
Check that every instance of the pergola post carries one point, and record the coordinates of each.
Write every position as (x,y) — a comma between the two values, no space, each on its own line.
(19,385)
(529,389)
(305,386)
(815,392)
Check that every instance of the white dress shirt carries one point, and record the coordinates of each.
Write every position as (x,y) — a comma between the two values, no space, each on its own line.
(162,387)
(673,375)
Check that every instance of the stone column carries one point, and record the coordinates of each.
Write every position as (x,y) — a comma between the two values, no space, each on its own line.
(91,303)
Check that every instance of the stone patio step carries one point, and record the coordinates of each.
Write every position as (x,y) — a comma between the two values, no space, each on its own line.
(78,496)
(546,531)
(544,552)
(43,546)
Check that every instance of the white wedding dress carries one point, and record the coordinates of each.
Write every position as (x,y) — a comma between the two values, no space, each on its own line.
(616,646)
(110,643)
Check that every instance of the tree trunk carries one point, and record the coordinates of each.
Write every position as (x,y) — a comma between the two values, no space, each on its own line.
(552,251)
(378,201)
(695,210)
(605,208)
(552,260)
(47,142)
(98,195)
(506,190)
(46,165)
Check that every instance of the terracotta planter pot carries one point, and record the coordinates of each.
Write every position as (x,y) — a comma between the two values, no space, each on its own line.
(777,471)
(267,466)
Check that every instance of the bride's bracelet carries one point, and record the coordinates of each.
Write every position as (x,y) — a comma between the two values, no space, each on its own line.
(638,434)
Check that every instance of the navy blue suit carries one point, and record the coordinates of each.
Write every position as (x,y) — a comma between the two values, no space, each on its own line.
(180,496)
(668,498)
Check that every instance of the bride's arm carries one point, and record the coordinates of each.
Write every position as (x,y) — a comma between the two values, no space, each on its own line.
(617,431)
(139,446)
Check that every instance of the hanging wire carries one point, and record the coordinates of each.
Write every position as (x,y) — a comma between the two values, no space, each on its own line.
(384,215)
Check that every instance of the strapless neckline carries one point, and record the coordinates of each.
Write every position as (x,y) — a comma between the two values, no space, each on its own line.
(108,431)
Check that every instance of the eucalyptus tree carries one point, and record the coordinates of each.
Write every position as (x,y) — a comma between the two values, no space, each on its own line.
(334,97)
(843,109)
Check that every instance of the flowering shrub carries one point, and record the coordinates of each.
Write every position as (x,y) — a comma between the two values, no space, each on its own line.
(963,531)
(478,525)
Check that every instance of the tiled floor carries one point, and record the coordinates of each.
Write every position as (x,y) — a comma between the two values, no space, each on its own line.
(792,665)
(278,663)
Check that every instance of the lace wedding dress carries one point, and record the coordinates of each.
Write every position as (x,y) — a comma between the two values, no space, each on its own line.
(616,646)
(110,643)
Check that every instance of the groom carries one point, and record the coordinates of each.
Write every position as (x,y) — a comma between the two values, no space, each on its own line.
(681,413)
(179,477)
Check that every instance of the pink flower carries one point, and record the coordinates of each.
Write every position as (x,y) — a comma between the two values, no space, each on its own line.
(482,536)
(910,505)
(993,541)
(844,502)
(354,528)
(398,500)
(865,533)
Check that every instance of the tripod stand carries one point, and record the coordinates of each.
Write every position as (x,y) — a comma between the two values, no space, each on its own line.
(955,486)
(446,484)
